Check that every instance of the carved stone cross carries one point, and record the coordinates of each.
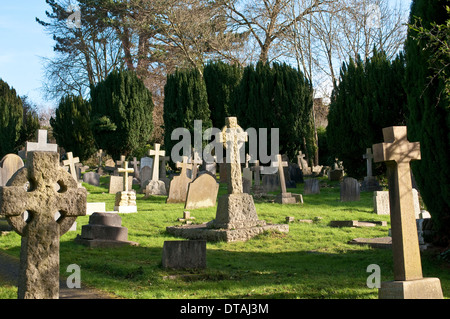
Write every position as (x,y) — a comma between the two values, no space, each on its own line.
(71,161)
(280,164)
(233,136)
(195,160)
(368,156)
(39,255)
(126,171)
(135,164)
(257,169)
(157,153)
(41,144)
(184,165)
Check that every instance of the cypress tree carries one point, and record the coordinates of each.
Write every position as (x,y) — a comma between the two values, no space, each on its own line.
(11,113)
(121,115)
(71,126)
(369,97)
(429,114)
(221,81)
(185,100)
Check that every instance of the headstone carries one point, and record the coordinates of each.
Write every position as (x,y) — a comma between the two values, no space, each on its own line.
(370,182)
(92,178)
(187,218)
(104,230)
(10,164)
(184,254)
(146,176)
(284,197)
(257,188)
(110,165)
(381,202)
(195,161)
(303,164)
(179,184)
(295,173)
(116,184)
(39,256)
(41,144)
(337,171)
(155,188)
(247,180)
(70,162)
(126,199)
(311,186)
(202,192)
(350,190)
(223,171)
(157,153)
(270,182)
(135,164)
(397,152)
(100,154)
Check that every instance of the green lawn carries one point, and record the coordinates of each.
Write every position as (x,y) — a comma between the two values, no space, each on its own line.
(312,261)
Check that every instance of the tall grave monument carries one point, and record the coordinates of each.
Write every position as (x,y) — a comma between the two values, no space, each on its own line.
(39,255)
(397,152)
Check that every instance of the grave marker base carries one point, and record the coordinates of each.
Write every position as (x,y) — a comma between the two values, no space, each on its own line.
(425,288)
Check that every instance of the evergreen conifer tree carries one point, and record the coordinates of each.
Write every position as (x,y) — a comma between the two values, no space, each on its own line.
(11,113)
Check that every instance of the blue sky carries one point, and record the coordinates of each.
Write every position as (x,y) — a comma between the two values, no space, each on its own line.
(24,42)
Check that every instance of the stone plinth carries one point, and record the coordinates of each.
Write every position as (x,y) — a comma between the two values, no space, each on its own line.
(125,202)
(425,288)
(285,198)
(104,230)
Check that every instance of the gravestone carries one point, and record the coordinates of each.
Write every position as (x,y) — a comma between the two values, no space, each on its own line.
(303,164)
(202,192)
(39,255)
(155,186)
(257,188)
(146,176)
(104,230)
(135,164)
(116,184)
(98,207)
(110,166)
(397,152)
(195,161)
(284,197)
(381,202)
(349,190)
(100,155)
(10,164)
(184,254)
(247,180)
(223,171)
(70,162)
(41,144)
(92,178)
(270,182)
(236,217)
(370,182)
(295,173)
(126,199)
(179,184)
(337,171)
(311,186)
(118,164)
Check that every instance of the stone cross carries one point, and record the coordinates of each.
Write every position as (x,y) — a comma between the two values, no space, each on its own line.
(71,161)
(100,157)
(41,144)
(125,170)
(302,163)
(135,163)
(157,153)
(280,164)
(256,168)
(398,152)
(232,137)
(184,165)
(369,156)
(194,161)
(39,255)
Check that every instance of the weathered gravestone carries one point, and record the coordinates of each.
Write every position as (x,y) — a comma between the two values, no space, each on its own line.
(303,163)
(179,184)
(337,171)
(202,192)
(145,174)
(135,164)
(184,254)
(100,155)
(39,255)
(397,152)
(104,230)
(110,165)
(236,217)
(349,190)
(223,171)
(257,188)
(125,199)
(270,182)
(10,164)
(70,162)
(116,184)
(381,202)
(311,186)
(92,178)
(284,197)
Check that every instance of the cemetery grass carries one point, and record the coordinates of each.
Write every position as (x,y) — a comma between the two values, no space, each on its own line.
(312,261)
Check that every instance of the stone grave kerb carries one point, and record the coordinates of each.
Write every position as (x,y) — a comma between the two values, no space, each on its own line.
(51,190)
